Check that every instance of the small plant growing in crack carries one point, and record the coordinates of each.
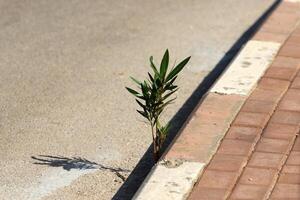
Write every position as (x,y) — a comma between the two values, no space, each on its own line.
(155,94)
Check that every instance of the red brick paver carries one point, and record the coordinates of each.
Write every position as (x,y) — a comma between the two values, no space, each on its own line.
(259,157)
(211,120)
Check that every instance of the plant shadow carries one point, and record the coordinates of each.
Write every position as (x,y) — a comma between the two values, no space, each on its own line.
(139,173)
(68,163)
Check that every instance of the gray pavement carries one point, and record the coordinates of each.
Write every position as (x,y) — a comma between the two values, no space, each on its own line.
(63,69)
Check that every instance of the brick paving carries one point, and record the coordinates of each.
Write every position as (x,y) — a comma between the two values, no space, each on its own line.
(211,119)
(259,157)
(241,141)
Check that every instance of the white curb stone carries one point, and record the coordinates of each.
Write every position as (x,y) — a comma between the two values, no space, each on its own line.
(247,68)
(173,182)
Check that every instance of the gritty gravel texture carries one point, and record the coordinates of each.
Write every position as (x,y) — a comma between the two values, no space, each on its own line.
(63,69)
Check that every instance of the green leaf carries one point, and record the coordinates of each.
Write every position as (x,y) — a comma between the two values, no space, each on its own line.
(165,129)
(153,93)
(172,80)
(169,85)
(151,77)
(160,109)
(153,67)
(172,87)
(158,83)
(143,114)
(140,103)
(147,86)
(143,106)
(169,94)
(167,103)
(135,93)
(178,68)
(145,89)
(157,104)
(136,81)
(164,65)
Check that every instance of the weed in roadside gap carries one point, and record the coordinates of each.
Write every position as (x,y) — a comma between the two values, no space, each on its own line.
(154,96)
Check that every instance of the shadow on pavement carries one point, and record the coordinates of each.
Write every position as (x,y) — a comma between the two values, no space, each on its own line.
(76,163)
(137,176)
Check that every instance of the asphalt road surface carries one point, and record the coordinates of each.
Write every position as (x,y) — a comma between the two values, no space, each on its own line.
(68,128)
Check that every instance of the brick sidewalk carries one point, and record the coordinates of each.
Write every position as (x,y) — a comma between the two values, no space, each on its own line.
(259,157)
(241,141)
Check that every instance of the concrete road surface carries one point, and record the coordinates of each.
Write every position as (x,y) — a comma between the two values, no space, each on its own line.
(68,128)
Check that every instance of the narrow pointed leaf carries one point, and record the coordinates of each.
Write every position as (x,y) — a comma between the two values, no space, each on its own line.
(161,108)
(169,85)
(172,87)
(172,80)
(167,103)
(145,89)
(167,127)
(135,93)
(164,64)
(151,77)
(177,69)
(153,67)
(169,94)
(158,83)
(136,81)
(159,111)
(143,114)
(140,103)
(147,86)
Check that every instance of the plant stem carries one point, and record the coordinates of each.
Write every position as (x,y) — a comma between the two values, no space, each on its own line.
(154,137)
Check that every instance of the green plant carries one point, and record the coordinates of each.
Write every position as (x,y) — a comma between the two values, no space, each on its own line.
(154,96)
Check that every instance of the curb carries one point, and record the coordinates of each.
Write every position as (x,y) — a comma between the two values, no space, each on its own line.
(174,176)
